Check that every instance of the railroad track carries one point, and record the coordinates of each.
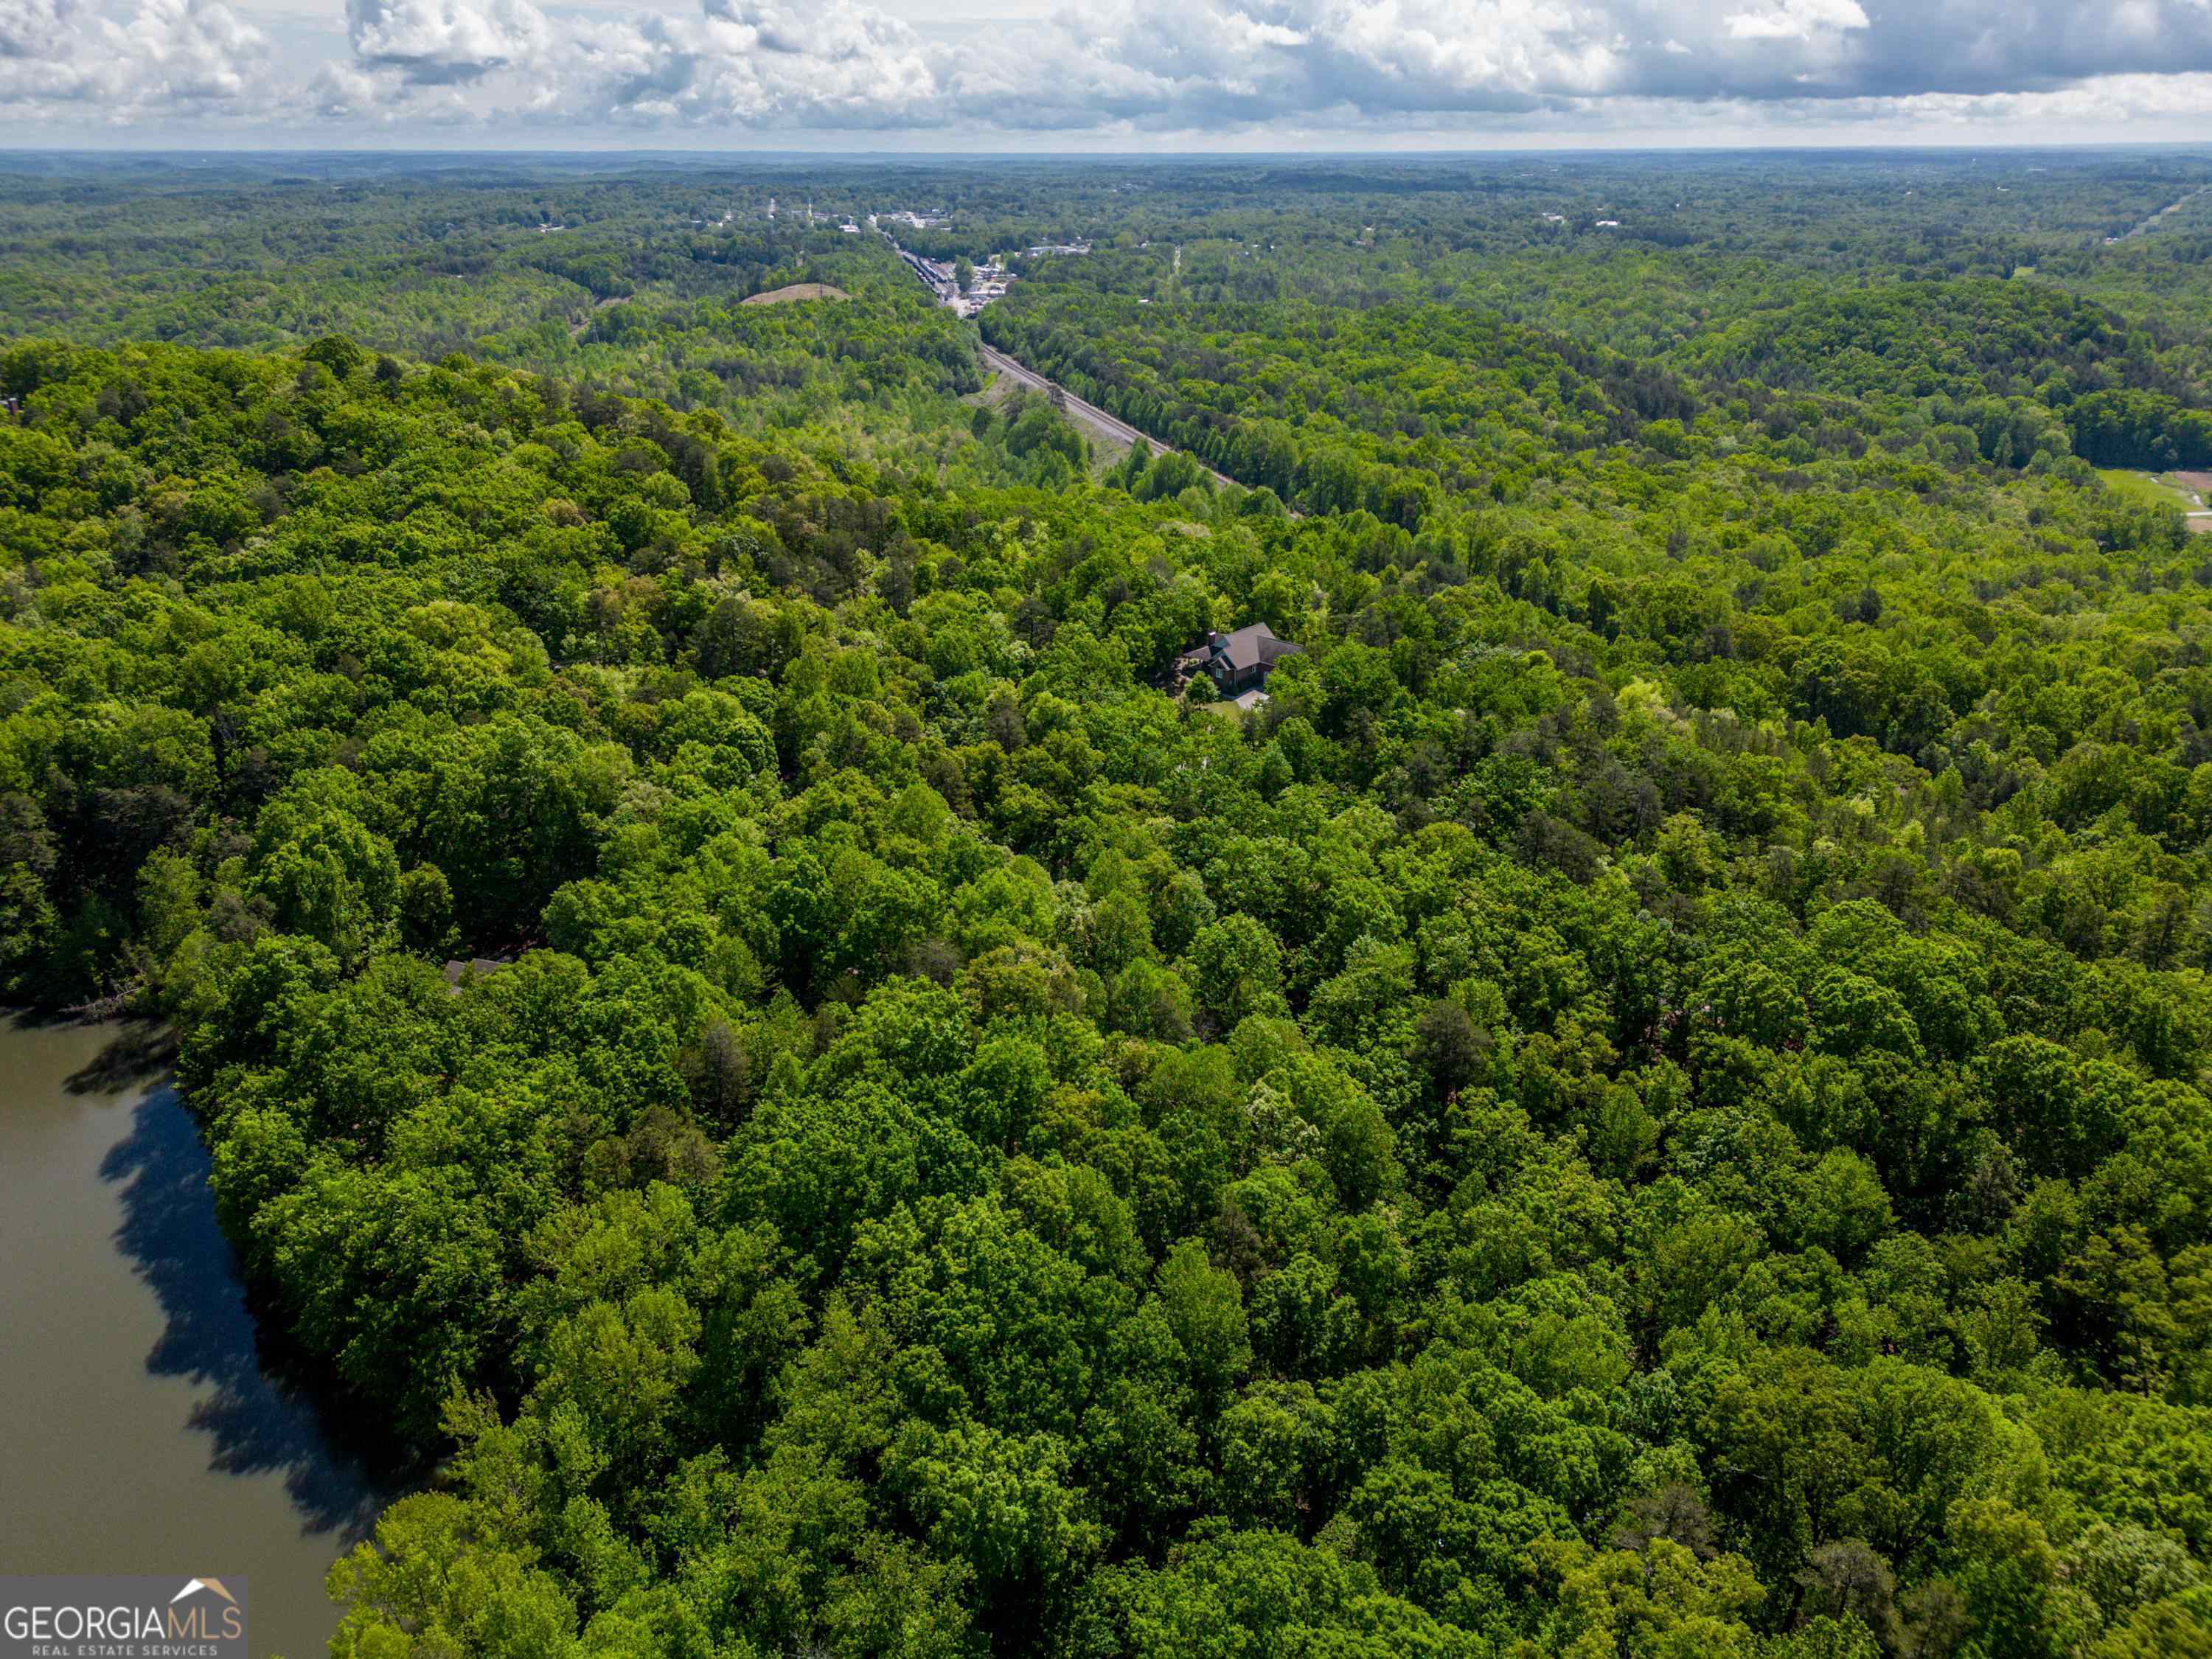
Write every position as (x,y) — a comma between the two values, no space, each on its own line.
(1081,411)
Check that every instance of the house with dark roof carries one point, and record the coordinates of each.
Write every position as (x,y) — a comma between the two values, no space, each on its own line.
(1237,662)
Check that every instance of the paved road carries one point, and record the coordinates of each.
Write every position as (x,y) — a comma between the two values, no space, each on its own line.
(1079,411)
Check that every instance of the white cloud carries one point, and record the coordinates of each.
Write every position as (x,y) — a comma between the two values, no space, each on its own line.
(835,65)
(436,42)
(29,29)
(1795,19)
(187,51)
(168,56)
(40,51)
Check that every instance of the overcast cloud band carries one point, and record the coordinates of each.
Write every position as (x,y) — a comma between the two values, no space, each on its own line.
(1181,65)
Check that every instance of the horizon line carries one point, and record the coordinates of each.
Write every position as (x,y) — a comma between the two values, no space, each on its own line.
(970,154)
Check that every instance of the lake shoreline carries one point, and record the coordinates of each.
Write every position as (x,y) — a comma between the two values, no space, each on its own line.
(171,1425)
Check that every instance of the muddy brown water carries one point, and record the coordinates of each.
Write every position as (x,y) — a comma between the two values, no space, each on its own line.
(144,1429)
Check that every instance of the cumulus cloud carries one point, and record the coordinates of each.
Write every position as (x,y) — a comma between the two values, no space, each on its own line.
(1794,20)
(1184,66)
(742,63)
(39,51)
(29,29)
(168,56)
(833,64)
(436,42)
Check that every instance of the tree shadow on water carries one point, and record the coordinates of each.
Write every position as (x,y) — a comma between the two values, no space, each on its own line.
(140,1052)
(262,1419)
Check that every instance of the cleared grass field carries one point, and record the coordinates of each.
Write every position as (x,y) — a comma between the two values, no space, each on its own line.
(2142,487)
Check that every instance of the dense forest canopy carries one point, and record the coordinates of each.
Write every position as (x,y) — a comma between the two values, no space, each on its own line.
(1649,1101)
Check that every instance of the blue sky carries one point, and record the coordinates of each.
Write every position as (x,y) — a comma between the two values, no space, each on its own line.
(1130,75)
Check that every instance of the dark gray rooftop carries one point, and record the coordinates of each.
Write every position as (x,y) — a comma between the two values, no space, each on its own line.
(1251,646)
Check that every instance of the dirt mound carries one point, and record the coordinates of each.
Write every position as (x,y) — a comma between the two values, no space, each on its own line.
(776,296)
